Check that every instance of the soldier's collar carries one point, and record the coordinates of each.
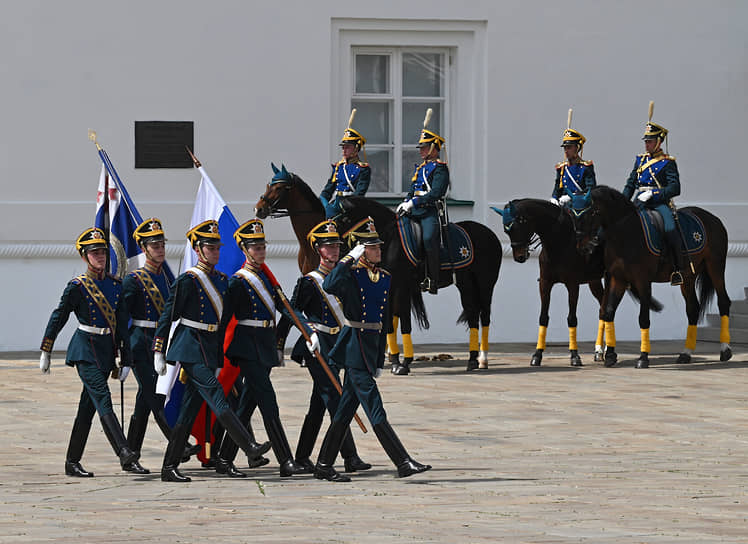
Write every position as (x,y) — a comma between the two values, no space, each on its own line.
(248,265)
(205,267)
(152,267)
(93,274)
(363,262)
(657,153)
(352,160)
(323,269)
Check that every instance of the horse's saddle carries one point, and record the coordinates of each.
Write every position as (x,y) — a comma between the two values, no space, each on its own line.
(460,252)
(692,227)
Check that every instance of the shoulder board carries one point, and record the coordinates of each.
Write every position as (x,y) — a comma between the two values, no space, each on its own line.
(383,271)
(439,161)
(669,157)
(116,279)
(363,164)
(586,163)
(642,154)
(560,165)
(222,275)
(76,280)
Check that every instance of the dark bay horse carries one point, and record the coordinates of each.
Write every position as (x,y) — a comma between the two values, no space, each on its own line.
(628,261)
(294,198)
(559,262)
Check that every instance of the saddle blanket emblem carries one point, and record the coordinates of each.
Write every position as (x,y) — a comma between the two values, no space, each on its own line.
(692,227)
(459,243)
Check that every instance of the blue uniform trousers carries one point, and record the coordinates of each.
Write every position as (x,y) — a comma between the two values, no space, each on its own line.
(667,217)
(430,225)
(257,391)
(360,387)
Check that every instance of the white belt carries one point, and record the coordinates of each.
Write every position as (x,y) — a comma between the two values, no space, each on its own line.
(420,193)
(324,328)
(343,193)
(144,323)
(256,323)
(210,327)
(363,325)
(101,331)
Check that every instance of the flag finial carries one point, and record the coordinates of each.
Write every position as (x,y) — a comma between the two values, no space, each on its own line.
(92,137)
(194,158)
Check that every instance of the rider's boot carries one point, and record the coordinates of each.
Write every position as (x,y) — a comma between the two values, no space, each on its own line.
(673,242)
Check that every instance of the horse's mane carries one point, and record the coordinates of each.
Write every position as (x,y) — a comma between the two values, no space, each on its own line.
(605,194)
(307,193)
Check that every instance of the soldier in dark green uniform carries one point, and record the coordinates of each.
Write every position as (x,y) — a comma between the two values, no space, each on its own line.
(429,185)
(196,304)
(253,300)
(653,182)
(325,314)
(349,176)
(362,288)
(96,299)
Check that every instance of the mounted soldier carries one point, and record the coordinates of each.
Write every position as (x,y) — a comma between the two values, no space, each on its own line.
(349,176)
(654,182)
(429,187)
(574,176)
(96,299)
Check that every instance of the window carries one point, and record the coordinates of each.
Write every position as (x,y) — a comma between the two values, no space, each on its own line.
(391,90)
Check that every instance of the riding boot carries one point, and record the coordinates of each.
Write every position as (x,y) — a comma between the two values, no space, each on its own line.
(673,241)
(238,433)
(224,463)
(325,469)
(281,449)
(259,461)
(117,439)
(77,444)
(352,462)
(406,466)
(135,436)
(174,451)
(307,438)
(431,282)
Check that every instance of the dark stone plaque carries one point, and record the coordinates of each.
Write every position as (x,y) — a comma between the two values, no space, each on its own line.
(161,144)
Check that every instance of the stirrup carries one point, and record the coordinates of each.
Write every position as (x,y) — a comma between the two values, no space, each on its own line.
(676,278)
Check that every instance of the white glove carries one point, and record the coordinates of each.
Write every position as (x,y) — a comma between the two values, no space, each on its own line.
(357,251)
(404,207)
(377,373)
(553,201)
(281,359)
(313,343)
(645,195)
(44,361)
(159,363)
(564,199)
(124,372)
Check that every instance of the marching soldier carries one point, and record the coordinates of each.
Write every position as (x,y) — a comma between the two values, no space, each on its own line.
(574,175)
(362,288)
(252,299)
(654,181)
(429,185)
(349,176)
(326,317)
(196,303)
(95,298)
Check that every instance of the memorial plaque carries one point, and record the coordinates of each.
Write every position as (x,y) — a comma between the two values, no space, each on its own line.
(161,144)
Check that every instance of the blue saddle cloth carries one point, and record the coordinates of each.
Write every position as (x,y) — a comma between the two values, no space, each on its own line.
(692,227)
(459,243)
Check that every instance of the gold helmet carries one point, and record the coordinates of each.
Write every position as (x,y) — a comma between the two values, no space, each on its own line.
(571,136)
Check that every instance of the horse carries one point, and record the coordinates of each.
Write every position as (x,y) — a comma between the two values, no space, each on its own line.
(559,262)
(630,259)
(294,198)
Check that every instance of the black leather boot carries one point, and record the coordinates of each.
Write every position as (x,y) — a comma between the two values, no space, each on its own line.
(238,433)
(175,449)
(135,436)
(325,469)
(432,271)
(351,460)
(673,242)
(77,444)
(117,439)
(307,438)
(406,466)
(228,468)
(282,450)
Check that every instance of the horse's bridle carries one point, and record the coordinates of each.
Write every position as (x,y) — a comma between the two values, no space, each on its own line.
(281,212)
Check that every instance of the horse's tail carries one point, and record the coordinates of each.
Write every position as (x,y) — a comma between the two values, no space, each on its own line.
(706,292)
(418,308)
(654,304)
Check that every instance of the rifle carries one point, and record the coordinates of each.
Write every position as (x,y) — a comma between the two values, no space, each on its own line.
(317,354)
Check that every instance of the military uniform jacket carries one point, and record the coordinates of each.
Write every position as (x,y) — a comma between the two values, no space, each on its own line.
(355,174)
(255,299)
(145,292)
(364,295)
(100,349)
(188,299)
(309,299)
(429,184)
(659,173)
(574,178)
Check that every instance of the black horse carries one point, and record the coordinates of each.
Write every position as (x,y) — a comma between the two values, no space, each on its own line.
(559,263)
(474,282)
(628,261)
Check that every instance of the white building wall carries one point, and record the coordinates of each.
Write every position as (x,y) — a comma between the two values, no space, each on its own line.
(256,80)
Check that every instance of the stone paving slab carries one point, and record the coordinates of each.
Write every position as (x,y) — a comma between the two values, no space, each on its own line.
(539,455)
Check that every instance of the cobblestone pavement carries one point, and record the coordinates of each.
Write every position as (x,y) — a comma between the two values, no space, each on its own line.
(520,454)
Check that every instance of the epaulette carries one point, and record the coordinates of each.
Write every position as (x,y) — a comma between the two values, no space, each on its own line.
(560,165)
(363,164)
(670,157)
(383,271)
(221,275)
(439,161)
(586,163)
(115,278)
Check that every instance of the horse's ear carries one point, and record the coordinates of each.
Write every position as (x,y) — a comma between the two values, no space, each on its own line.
(497,210)
(284,172)
(275,168)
